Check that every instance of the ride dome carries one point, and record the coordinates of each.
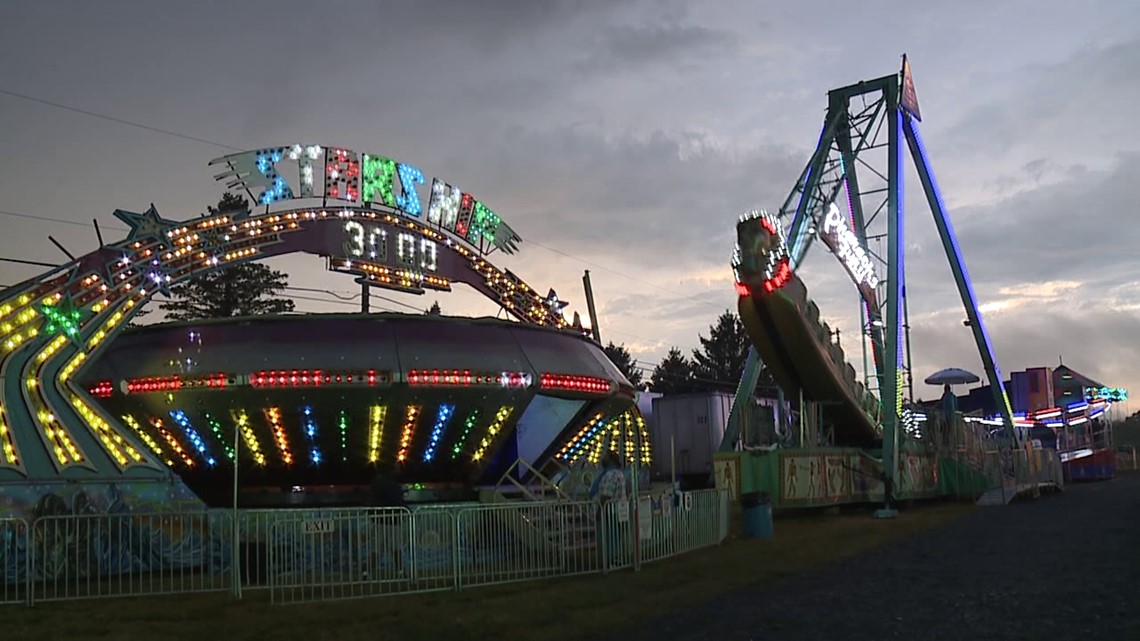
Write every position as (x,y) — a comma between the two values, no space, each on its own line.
(301,402)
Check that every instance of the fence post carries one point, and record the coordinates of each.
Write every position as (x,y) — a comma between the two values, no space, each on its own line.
(604,534)
(235,551)
(32,557)
(456,549)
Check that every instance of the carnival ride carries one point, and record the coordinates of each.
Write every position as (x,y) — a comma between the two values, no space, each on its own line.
(299,399)
(428,394)
(862,121)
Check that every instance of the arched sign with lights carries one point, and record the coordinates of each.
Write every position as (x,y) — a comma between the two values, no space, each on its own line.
(54,324)
(277,174)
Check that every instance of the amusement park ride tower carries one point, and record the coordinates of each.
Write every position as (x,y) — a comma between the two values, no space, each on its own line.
(863,120)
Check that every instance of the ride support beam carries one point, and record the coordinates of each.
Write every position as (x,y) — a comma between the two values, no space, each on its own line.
(855,201)
(961,276)
(745,392)
(798,242)
(890,396)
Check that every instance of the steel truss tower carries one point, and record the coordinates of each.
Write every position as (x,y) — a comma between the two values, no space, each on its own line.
(864,122)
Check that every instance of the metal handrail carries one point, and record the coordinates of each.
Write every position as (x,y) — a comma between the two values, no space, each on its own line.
(521,464)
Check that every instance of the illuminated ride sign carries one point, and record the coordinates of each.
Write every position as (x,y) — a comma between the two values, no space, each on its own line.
(383,232)
(761,253)
(837,235)
(389,256)
(277,174)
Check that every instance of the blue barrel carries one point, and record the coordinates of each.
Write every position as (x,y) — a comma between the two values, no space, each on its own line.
(756,515)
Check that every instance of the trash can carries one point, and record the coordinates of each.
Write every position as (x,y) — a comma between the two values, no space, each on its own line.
(756,515)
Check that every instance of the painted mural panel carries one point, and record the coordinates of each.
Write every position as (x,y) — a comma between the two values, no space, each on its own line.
(918,475)
(727,476)
(815,479)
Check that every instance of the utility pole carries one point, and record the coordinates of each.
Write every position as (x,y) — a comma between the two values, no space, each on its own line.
(590,307)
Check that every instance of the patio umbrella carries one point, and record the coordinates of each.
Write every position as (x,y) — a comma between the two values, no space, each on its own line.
(946,378)
(952,376)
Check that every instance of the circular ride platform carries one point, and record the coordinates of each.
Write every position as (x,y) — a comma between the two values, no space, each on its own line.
(326,401)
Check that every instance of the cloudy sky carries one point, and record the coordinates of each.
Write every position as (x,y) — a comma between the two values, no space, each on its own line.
(623,137)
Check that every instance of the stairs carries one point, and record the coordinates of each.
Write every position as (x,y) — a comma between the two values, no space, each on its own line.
(549,511)
(540,488)
(1000,495)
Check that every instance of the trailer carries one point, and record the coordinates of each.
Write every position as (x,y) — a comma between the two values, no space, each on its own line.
(686,430)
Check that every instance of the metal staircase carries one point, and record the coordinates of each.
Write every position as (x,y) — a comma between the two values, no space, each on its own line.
(551,509)
(540,488)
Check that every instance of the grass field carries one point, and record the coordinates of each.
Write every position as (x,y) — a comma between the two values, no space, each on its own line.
(551,610)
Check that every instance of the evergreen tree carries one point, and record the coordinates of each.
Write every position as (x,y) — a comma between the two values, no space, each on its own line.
(434,310)
(720,361)
(622,359)
(134,322)
(248,289)
(673,375)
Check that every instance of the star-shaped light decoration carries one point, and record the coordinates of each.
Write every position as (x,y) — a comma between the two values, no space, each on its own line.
(553,304)
(63,318)
(158,277)
(147,225)
(213,241)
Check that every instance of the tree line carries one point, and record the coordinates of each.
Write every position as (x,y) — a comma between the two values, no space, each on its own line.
(716,366)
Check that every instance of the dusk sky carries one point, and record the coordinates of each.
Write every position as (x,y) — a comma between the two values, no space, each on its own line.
(620,137)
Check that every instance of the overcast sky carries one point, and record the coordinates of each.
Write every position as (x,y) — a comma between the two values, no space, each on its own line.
(620,137)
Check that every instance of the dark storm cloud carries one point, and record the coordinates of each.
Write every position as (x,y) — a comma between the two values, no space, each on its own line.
(632,194)
(636,46)
(1078,229)
(488,24)
(1081,100)
(1055,269)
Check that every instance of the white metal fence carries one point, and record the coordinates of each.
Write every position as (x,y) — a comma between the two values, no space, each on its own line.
(15,561)
(1013,471)
(323,554)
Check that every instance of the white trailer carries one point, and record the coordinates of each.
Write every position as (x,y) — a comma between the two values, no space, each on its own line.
(693,425)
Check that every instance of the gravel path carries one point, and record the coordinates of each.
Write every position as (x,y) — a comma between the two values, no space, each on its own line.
(1063,567)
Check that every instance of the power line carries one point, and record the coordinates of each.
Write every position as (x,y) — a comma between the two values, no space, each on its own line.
(355,297)
(330,292)
(49,219)
(20,261)
(120,121)
(326,300)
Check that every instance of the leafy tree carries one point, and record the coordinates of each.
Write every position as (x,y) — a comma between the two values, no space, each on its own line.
(134,322)
(673,375)
(248,289)
(622,359)
(434,310)
(720,361)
